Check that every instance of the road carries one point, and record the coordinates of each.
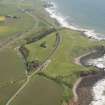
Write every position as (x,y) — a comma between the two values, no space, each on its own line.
(27,81)
(40,68)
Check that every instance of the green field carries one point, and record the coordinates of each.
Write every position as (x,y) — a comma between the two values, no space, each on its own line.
(38,52)
(12,72)
(7,90)
(40,91)
(11,66)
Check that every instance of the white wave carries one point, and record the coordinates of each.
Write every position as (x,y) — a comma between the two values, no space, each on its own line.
(62,21)
(99,62)
(99,93)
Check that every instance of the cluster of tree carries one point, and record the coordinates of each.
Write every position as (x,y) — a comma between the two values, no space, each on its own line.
(10,16)
(43,44)
(32,65)
(24,51)
(39,36)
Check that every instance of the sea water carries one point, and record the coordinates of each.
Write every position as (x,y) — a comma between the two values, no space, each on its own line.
(84,15)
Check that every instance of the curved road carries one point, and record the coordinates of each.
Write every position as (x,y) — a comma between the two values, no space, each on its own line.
(41,68)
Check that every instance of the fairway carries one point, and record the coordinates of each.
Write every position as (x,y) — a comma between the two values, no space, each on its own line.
(40,91)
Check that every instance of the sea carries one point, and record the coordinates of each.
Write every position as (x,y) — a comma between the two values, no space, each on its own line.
(83,15)
(87,16)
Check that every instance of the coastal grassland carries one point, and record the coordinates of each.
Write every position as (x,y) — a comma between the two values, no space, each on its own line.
(12,74)
(62,68)
(36,51)
(40,91)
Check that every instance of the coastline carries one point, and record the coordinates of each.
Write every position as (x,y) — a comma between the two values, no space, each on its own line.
(80,87)
(84,89)
(51,7)
(94,80)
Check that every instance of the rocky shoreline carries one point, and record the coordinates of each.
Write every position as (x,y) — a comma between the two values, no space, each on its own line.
(84,89)
(88,79)
(98,52)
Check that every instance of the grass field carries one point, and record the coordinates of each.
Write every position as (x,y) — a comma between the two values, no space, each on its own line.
(8,89)
(38,52)
(40,91)
(12,72)
(11,66)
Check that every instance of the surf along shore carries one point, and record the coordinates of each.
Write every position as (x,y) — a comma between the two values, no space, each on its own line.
(82,89)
